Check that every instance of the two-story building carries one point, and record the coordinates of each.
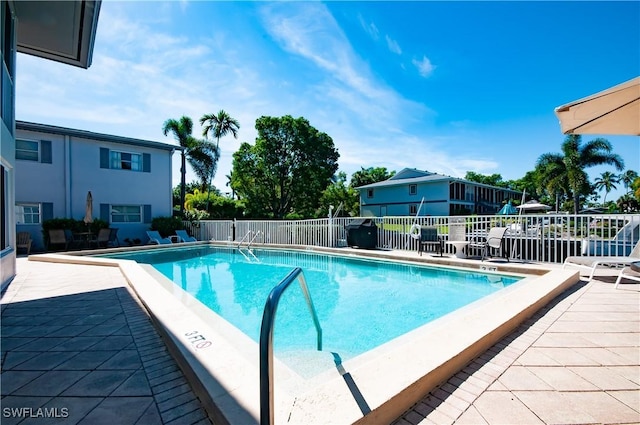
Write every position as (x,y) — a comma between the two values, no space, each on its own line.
(412,191)
(129,179)
(63,31)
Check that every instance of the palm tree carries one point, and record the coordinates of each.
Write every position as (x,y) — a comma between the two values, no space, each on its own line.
(181,130)
(568,168)
(201,155)
(627,178)
(219,126)
(606,181)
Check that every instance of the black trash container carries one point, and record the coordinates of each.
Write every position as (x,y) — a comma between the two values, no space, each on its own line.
(362,233)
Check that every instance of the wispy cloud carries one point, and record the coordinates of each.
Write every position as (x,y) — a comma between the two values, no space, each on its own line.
(393,45)
(425,67)
(369,27)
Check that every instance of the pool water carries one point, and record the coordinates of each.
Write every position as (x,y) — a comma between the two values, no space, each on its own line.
(360,303)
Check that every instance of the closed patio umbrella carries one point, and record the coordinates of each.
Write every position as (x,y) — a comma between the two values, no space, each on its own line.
(88,213)
(507,209)
(612,111)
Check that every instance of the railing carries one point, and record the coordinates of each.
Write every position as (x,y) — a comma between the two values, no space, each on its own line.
(266,340)
(530,237)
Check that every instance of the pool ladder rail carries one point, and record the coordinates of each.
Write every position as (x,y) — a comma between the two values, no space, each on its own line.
(248,247)
(266,340)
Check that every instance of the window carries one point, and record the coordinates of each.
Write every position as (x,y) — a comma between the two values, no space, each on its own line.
(126,214)
(413,209)
(27,213)
(28,150)
(413,189)
(369,193)
(126,161)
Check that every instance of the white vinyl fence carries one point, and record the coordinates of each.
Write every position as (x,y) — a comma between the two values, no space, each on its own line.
(531,237)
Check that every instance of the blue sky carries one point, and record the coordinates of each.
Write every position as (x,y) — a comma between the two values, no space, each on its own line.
(448,87)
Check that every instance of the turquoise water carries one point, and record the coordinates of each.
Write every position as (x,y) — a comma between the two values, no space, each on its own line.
(361,303)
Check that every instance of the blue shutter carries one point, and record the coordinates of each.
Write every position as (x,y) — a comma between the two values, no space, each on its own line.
(104,158)
(105,212)
(147,213)
(47,211)
(45,151)
(146,162)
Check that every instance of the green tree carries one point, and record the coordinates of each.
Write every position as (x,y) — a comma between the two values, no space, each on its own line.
(627,178)
(370,175)
(219,125)
(339,192)
(201,156)
(566,170)
(287,168)
(492,180)
(606,181)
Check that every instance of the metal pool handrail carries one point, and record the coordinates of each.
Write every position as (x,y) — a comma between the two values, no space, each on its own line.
(266,340)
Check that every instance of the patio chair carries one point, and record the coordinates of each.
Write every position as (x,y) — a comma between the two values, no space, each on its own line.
(591,263)
(429,238)
(58,237)
(156,239)
(23,241)
(183,236)
(493,241)
(632,272)
(106,237)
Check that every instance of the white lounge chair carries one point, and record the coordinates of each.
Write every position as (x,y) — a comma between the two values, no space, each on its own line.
(183,236)
(155,238)
(591,263)
(632,272)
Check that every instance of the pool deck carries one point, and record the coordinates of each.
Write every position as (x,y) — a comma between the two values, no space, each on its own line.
(75,338)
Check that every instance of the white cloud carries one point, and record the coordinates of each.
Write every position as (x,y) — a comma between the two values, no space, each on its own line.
(370,28)
(393,45)
(425,67)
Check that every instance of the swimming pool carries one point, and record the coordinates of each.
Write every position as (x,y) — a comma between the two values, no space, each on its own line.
(361,303)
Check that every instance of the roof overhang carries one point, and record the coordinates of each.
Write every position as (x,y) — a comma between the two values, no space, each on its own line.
(63,31)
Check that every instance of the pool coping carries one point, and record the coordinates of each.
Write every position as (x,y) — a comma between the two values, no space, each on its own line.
(389,381)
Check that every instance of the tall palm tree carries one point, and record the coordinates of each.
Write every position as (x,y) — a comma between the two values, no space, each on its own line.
(606,181)
(201,155)
(627,178)
(219,125)
(569,166)
(181,130)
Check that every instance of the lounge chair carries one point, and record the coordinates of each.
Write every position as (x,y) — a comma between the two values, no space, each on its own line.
(23,241)
(591,263)
(58,237)
(493,240)
(156,239)
(183,236)
(632,272)
(429,238)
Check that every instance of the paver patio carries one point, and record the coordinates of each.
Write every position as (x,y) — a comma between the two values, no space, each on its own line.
(575,362)
(76,342)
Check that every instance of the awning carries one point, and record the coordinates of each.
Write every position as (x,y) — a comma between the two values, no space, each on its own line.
(612,111)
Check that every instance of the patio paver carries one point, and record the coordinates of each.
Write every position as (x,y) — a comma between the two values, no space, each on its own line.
(69,342)
(577,361)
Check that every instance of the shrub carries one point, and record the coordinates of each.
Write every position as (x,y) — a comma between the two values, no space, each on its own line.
(166,226)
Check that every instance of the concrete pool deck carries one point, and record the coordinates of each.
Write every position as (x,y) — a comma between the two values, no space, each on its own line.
(576,361)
